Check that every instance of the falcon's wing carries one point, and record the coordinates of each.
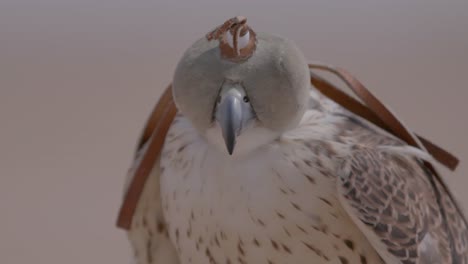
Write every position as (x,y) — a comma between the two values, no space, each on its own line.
(148,234)
(402,209)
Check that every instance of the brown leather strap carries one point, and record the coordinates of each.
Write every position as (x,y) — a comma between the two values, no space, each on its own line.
(155,131)
(155,117)
(375,112)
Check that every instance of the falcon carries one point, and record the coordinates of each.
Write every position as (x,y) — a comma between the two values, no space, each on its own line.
(259,166)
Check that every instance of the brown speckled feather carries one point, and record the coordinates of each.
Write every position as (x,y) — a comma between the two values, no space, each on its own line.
(398,204)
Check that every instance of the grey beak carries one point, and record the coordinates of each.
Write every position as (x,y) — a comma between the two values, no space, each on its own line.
(232,114)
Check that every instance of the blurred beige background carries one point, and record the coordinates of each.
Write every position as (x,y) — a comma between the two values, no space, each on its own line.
(78,79)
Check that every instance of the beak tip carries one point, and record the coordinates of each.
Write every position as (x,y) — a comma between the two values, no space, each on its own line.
(230,148)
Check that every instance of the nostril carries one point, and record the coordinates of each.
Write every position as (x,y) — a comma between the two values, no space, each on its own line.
(218,99)
(246,99)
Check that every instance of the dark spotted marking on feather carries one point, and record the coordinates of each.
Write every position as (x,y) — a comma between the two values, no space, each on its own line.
(301,228)
(260,222)
(160,226)
(336,235)
(363,259)
(286,248)
(200,240)
(240,248)
(349,244)
(210,257)
(192,215)
(256,243)
(310,179)
(326,173)
(296,206)
(177,235)
(317,251)
(217,241)
(326,201)
(343,260)
(274,244)
(181,148)
(283,191)
(318,163)
(280,215)
(296,165)
(223,235)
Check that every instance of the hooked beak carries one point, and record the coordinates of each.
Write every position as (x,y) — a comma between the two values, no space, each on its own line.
(233,113)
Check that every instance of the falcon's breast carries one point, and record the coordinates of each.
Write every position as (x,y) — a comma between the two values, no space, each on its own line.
(278,204)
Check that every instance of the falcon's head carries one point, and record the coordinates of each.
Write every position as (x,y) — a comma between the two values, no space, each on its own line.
(240,89)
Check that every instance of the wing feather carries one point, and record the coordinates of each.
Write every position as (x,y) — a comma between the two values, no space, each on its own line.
(398,203)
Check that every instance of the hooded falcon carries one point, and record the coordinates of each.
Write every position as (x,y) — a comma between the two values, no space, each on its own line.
(260,167)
